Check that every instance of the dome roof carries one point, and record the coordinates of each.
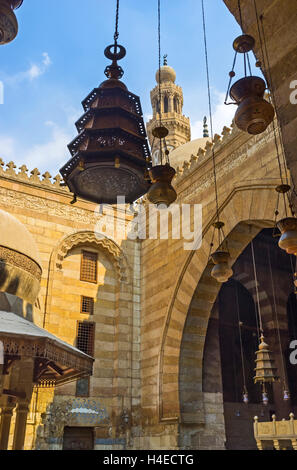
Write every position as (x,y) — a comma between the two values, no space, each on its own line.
(167,74)
(15,236)
(185,151)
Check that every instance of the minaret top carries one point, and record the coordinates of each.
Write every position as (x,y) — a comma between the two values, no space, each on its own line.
(167,73)
(205,127)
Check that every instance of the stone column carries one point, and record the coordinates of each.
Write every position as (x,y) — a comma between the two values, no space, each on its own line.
(24,386)
(20,425)
(171,104)
(6,415)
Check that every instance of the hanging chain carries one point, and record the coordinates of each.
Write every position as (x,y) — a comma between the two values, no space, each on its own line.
(266,66)
(116,34)
(231,75)
(159,56)
(240,338)
(210,110)
(159,88)
(274,100)
(277,322)
(256,285)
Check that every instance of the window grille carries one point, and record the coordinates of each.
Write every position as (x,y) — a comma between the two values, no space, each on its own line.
(87,305)
(88,271)
(86,337)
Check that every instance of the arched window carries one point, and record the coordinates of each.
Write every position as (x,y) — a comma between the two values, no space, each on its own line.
(176,104)
(157,107)
(166,104)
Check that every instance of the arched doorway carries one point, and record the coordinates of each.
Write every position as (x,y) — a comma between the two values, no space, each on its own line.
(213,415)
(234,321)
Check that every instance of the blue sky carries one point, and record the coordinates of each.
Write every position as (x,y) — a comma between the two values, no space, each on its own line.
(57,59)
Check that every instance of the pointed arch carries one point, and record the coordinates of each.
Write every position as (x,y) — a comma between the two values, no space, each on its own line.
(244,220)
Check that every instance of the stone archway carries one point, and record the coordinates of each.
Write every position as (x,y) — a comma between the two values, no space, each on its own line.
(244,218)
(85,237)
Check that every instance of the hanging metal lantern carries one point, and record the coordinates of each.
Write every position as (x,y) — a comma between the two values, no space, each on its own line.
(254,113)
(8,20)
(286,395)
(221,270)
(265,368)
(109,154)
(245,398)
(288,239)
(162,192)
(265,400)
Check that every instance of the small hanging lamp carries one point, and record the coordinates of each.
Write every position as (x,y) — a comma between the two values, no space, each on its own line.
(221,270)
(288,224)
(8,20)
(288,239)
(109,156)
(265,369)
(286,395)
(161,193)
(245,397)
(254,113)
(265,399)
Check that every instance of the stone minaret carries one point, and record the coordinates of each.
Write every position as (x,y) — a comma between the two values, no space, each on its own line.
(171,109)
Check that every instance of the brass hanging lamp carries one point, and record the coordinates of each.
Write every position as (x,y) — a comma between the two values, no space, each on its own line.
(161,193)
(8,20)
(109,156)
(221,270)
(265,371)
(254,113)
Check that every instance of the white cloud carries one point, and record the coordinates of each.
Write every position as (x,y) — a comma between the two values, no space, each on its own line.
(46,59)
(8,148)
(51,154)
(47,156)
(34,71)
(222,116)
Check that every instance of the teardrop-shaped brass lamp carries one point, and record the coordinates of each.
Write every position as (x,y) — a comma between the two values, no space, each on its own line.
(161,192)
(254,113)
(288,239)
(221,270)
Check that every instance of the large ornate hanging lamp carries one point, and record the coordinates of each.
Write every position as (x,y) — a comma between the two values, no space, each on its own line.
(254,113)
(265,370)
(8,20)
(109,156)
(161,193)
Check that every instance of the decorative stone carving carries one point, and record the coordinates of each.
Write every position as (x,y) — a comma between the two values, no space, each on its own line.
(88,237)
(21,261)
